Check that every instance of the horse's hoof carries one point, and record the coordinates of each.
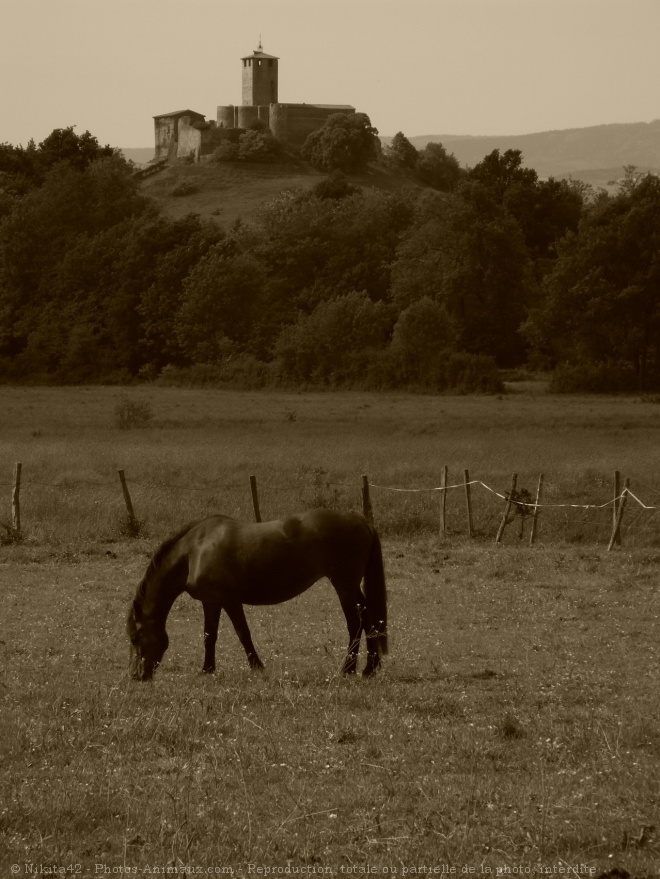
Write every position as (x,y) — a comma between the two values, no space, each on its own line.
(208,671)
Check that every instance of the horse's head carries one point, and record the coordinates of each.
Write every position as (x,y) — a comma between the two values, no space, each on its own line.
(148,643)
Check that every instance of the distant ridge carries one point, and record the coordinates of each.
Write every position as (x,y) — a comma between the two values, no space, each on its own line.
(603,148)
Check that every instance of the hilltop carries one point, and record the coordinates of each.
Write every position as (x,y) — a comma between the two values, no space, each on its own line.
(228,191)
(596,155)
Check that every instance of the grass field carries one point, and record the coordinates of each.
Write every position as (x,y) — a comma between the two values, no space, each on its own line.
(514,728)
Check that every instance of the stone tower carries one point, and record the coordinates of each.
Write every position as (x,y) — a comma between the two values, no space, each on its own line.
(259,78)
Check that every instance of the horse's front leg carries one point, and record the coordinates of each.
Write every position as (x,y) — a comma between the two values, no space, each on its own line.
(236,614)
(211,621)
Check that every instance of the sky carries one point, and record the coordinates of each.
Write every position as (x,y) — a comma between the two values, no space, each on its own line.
(489,67)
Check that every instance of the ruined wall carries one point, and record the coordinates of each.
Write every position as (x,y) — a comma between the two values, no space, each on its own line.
(164,134)
(197,139)
(167,132)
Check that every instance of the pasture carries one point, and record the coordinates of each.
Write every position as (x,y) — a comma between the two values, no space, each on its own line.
(514,727)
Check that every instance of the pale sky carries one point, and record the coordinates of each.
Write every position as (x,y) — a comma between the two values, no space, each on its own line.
(417,66)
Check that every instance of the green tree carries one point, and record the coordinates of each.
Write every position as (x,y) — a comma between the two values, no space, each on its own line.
(401,152)
(601,307)
(438,168)
(346,142)
(544,210)
(79,150)
(467,253)
(218,302)
(423,336)
(41,232)
(329,344)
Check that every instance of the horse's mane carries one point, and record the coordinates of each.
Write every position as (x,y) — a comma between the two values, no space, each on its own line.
(157,559)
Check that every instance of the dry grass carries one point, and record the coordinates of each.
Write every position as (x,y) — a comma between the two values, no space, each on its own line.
(515,724)
(196,454)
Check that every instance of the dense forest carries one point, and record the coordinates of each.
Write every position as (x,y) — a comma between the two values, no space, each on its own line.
(442,285)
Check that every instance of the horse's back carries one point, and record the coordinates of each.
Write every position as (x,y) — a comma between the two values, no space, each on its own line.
(269,562)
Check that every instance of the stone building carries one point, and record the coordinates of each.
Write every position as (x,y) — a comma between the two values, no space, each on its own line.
(186,134)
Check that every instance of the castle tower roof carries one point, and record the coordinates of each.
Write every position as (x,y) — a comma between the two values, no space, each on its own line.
(259,54)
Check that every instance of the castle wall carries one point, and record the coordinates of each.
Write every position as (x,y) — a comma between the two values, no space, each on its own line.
(293,123)
(227,117)
(245,116)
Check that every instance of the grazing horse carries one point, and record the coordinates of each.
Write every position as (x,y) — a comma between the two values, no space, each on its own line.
(226,564)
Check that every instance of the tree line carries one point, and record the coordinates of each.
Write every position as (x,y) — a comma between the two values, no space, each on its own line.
(438,287)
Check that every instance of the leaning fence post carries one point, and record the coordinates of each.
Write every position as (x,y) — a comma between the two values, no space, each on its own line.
(507,508)
(535,514)
(127,500)
(619,515)
(617,503)
(443,500)
(255,498)
(16,500)
(367,509)
(468,502)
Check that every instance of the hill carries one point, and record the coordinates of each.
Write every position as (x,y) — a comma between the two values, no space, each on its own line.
(228,191)
(579,152)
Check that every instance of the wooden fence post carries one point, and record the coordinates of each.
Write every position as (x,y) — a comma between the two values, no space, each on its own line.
(468,502)
(619,515)
(617,503)
(443,501)
(367,509)
(539,488)
(132,523)
(507,508)
(255,498)
(16,500)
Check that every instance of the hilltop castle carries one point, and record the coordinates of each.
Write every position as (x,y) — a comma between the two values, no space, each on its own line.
(186,134)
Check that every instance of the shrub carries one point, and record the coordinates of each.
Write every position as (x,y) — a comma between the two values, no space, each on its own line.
(185,187)
(226,152)
(472,374)
(258,146)
(593,378)
(130,414)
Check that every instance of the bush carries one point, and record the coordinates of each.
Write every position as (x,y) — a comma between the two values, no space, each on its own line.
(472,374)
(258,146)
(241,371)
(185,187)
(593,378)
(226,152)
(130,414)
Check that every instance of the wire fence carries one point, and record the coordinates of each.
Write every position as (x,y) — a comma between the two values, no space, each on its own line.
(469,507)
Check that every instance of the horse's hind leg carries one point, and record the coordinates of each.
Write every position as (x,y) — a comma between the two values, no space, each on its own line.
(358,620)
(236,614)
(211,621)
(352,612)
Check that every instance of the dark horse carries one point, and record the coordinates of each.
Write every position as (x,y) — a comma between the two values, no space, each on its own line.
(226,564)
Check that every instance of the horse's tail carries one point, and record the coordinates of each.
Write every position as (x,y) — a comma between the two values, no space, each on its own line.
(375,592)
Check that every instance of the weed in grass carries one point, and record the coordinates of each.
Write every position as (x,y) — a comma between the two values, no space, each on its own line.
(10,535)
(131,414)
